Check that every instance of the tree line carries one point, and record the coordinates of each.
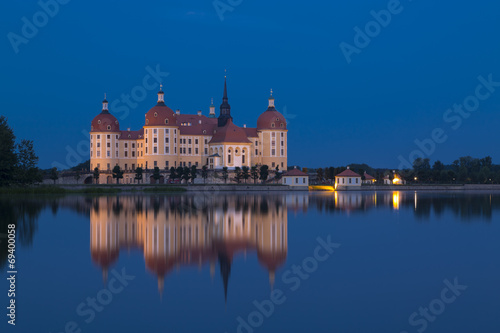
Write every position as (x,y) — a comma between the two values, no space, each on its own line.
(18,161)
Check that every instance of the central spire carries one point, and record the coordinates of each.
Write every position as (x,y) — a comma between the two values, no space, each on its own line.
(225,108)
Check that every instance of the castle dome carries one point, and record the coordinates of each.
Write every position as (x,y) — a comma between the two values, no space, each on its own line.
(105,121)
(271,119)
(160,114)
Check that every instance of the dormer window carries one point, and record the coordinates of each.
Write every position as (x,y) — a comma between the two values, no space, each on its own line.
(277,119)
(147,121)
(166,121)
(116,122)
(109,127)
(281,125)
(99,121)
(156,114)
(272,125)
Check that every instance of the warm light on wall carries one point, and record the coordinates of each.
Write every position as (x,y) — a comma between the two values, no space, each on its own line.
(396,180)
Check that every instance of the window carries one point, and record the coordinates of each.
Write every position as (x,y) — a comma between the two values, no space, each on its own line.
(166,122)
(196,151)
(273,134)
(133,154)
(189,151)
(116,145)
(229,158)
(206,151)
(98,144)
(155,150)
(126,166)
(166,140)
(98,165)
(195,141)
(272,125)
(109,127)
(147,122)
(108,166)
(256,143)
(282,165)
(296,180)
(98,153)
(108,136)
(166,164)
(303,180)
(206,141)
(166,131)
(349,180)
(189,164)
(146,150)
(133,145)
(108,153)
(126,146)
(98,137)
(155,140)
(184,150)
(273,143)
(185,141)
(167,150)
(243,159)
(146,140)
(281,125)
(274,164)
(126,154)
(154,130)
(282,143)
(357,179)
(282,152)
(116,154)
(196,163)
(273,152)
(133,166)
(189,141)
(256,152)
(155,163)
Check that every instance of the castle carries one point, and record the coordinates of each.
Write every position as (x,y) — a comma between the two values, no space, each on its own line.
(171,139)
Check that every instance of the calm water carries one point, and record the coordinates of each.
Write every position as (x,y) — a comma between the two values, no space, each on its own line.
(321,262)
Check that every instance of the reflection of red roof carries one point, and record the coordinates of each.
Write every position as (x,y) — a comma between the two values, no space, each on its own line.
(368,177)
(348,173)
(160,265)
(104,258)
(230,133)
(272,260)
(295,172)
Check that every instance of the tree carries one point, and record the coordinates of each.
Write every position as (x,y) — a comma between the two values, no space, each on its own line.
(26,170)
(305,170)
(117,173)
(96,175)
(54,175)
(138,174)
(77,176)
(186,174)
(245,173)
(156,174)
(254,173)
(193,173)
(179,172)
(320,174)
(8,157)
(264,173)
(173,174)
(237,174)
(204,173)
(225,174)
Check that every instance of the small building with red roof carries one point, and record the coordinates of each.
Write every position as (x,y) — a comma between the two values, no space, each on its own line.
(295,177)
(368,179)
(347,179)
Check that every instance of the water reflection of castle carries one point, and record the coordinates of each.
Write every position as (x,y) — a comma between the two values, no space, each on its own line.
(176,231)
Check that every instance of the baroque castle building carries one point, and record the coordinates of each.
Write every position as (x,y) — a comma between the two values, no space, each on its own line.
(171,139)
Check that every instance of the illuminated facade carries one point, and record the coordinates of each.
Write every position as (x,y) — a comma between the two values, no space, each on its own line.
(171,139)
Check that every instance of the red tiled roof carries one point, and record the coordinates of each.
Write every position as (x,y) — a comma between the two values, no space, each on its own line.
(348,173)
(368,177)
(104,119)
(207,124)
(162,113)
(295,172)
(269,118)
(251,132)
(132,135)
(230,133)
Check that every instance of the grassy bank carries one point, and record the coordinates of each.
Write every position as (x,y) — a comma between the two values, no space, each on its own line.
(55,190)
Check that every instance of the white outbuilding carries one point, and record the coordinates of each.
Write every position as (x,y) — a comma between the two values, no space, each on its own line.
(295,177)
(347,179)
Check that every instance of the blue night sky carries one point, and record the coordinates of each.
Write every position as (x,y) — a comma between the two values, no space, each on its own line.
(394,91)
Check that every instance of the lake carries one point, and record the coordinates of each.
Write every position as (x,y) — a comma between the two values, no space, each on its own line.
(259,262)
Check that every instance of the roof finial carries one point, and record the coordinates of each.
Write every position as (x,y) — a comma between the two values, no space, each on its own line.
(104,95)
(225,73)
(271,91)
(161,86)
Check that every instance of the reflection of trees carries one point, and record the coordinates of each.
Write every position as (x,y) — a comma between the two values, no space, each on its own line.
(463,206)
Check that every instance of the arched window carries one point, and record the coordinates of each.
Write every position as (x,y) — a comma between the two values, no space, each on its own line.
(156,114)
(272,125)
(99,121)
(109,127)
(147,121)
(166,121)
(281,125)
